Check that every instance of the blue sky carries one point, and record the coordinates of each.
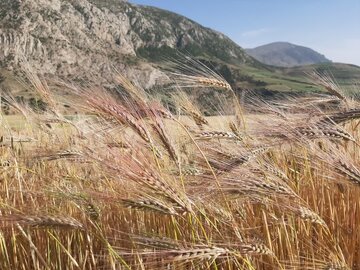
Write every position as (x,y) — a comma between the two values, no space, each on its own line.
(331,27)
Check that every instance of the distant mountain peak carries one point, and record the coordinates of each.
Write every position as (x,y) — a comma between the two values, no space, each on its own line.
(286,54)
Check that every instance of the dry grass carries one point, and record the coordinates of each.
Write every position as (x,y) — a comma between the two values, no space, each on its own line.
(128,185)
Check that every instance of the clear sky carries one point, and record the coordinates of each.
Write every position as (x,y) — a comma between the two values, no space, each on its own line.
(331,27)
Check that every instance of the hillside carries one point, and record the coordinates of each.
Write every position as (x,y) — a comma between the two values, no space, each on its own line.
(284,54)
(346,75)
(84,40)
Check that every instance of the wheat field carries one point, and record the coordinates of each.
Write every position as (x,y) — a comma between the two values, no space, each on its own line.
(133,184)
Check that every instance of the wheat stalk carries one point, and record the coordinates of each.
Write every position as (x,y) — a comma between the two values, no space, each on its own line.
(216,135)
(332,133)
(328,83)
(150,205)
(43,221)
(349,171)
(206,253)
(340,117)
(307,214)
(236,131)
(336,266)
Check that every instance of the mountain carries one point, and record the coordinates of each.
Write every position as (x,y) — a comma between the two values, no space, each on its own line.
(284,54)
(86,39)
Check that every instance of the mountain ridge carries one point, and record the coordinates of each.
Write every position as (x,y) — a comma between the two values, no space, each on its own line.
(286,54)
(86,39)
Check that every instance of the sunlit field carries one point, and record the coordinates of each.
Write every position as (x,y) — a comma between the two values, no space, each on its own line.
(130,184)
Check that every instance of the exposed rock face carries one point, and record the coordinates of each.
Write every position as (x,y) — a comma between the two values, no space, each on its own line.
(87,39)
(68,38)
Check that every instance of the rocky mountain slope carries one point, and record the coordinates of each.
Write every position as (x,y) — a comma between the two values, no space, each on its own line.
(284,54)
(88,39)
